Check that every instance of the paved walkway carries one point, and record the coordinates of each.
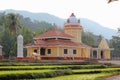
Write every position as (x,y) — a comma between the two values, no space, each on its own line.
(117,77)
(117,62)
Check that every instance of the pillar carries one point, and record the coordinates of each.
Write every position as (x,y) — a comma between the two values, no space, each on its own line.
(19,47)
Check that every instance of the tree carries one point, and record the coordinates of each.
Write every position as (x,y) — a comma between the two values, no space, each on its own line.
(88,38)
(12,24)
(119,32)
(1,21)
(9,43)
(115,43)
(27,35)
(109,1)
(9,35)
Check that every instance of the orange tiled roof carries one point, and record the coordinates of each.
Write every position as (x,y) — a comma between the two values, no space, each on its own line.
(53,34)
(44,43)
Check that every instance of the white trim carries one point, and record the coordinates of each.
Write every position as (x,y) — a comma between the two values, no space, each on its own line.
(102,48)
(30,46)
(56,46)
(54,37)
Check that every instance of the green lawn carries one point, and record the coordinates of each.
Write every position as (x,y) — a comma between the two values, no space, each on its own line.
(23,72)
(79,77)
(39,70)
(29,67)
(50,67)
(104,69)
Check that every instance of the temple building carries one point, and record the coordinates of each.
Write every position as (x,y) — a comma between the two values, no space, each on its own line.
(67,45)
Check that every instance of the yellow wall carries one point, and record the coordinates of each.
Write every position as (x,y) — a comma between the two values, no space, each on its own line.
(107,54)
(30,51)
(53,51)
(79,52)
(75,32)
(70,52)
(59,52)
(104,45)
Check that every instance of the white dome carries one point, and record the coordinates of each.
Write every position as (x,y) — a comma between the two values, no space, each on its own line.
(73,19)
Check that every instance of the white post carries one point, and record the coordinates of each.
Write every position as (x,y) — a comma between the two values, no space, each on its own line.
(20,46)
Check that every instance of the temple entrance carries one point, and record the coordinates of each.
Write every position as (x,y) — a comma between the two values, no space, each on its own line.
(94,54)
(42,51)
(102,54)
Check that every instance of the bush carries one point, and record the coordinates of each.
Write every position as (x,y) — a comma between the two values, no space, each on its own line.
(87,66)
(36,75)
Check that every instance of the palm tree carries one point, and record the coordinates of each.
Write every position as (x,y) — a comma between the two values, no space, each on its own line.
(12,27)
(12,24)
(109,1)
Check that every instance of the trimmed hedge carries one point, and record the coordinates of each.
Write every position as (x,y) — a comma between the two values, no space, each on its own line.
(41,63)
(36,75)
(54,67)
(87,67)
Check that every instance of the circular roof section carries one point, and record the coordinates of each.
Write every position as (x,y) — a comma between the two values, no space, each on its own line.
(73,19)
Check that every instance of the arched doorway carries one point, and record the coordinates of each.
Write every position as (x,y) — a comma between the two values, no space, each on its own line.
(102,54)
(94,54)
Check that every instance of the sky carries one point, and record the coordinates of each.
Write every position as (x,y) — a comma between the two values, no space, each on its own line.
(99,11)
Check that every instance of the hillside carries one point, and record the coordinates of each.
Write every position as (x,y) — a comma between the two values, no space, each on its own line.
(89,25)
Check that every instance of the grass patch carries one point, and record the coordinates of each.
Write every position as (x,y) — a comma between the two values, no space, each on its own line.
(42,63)
(77,70)
(5,68)
(84,71)
(22,72)
(79,77)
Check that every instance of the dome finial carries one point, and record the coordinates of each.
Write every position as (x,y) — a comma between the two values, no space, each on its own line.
(72,15)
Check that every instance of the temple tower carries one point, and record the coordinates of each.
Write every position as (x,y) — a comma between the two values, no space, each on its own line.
(73,28)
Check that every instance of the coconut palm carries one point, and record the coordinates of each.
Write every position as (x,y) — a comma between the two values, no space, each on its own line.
(12,24)
(12,29)
(109,1)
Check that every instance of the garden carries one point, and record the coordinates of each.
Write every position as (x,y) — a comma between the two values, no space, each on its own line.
(56,71)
